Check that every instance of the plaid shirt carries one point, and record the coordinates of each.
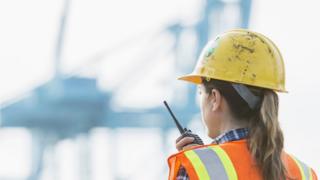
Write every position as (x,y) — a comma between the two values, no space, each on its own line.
(232,135)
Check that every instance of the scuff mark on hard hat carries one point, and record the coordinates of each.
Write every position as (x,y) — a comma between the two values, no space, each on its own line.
(242,47)
(270,51)
(209,52)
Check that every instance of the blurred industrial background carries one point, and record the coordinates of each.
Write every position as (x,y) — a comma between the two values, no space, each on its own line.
(82,82)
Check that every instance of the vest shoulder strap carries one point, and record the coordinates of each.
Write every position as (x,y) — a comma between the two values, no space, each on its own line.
(305,171)
(210,162)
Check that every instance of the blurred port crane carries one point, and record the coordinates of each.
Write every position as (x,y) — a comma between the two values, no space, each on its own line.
(69,105)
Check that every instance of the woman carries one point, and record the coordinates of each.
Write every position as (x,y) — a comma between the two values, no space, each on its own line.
(238,75)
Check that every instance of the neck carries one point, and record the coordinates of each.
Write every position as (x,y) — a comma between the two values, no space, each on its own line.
(229,123)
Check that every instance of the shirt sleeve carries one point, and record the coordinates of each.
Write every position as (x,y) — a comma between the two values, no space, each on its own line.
(182,174)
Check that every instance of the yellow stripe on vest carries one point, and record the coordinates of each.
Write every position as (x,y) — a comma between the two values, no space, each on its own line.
(228,166)
(197,164)
(310,174)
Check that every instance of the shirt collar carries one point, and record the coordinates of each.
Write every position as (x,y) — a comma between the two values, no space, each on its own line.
(232,135)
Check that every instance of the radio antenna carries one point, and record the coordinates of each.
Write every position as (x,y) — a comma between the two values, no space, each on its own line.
(174,118)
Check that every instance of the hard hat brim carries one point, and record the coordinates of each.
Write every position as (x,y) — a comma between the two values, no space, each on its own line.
(197,79)
(192,78)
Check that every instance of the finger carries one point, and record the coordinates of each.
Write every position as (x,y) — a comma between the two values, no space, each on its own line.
(179,138)
(184,141)
(189,146)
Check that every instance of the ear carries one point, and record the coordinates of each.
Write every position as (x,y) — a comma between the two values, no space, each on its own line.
(215,99)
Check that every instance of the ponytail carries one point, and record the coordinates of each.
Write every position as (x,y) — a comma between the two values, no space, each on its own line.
(265,140)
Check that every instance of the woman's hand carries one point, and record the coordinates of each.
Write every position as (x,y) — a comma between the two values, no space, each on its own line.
(183,143)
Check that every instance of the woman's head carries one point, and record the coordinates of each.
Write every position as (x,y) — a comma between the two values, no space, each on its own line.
(255,63)
(223,106)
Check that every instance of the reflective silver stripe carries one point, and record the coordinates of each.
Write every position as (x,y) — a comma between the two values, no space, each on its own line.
(212,163)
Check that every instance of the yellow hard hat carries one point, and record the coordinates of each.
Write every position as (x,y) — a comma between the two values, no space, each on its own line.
(241,56)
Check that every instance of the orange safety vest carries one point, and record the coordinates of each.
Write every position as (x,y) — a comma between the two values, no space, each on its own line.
(229,161)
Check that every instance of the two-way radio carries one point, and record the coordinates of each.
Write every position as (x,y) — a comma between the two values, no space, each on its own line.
(184,131)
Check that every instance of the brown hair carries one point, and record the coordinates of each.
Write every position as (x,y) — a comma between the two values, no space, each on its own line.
(265,140)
